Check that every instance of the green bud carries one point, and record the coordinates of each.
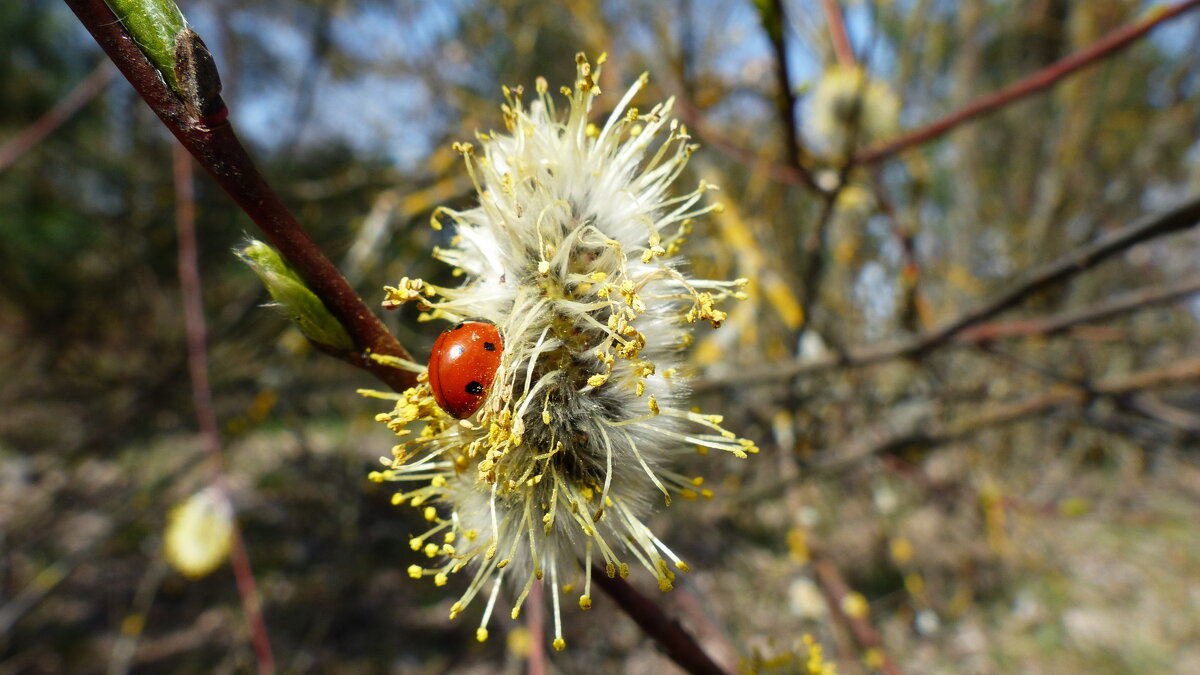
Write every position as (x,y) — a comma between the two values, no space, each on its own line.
(293,297)
(153,24)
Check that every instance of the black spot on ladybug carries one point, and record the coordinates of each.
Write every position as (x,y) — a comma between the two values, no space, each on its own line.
(474,388)
(490,346)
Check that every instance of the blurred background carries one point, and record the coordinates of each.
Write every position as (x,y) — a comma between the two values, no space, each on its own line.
(1019,496)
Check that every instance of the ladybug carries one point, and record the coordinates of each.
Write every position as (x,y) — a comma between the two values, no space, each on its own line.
(463,364)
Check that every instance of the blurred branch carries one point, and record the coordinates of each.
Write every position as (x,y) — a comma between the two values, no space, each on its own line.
(837,32)
(675,641)
(1154,408)
(1182,216)
(218,150)
(193,311)
(882,440)
(710,633)
(812,264)
(1107,46)
(19,604)
(1140,404)
(63,110)
(1051,325)
(774,20)
(126,645)
(779,172)
(835,589)
(914,304)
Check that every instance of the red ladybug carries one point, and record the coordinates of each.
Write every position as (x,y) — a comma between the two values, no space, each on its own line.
(463,364)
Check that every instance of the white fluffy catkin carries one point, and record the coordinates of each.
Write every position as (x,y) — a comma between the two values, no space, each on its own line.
(572,253)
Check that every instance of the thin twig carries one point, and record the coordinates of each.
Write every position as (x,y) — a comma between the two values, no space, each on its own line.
(1181,217)
(1044,326)
(1107,46)
(835,589)
(792,171)
(813,256)
(710,633)
(783,82)
(88,89)
(778,171)
(676,642)
(193,312)
(910,270)
(125,647)
(877,442)
(218,150)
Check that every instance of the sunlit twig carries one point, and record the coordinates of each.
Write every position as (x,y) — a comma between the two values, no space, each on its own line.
(1107,46)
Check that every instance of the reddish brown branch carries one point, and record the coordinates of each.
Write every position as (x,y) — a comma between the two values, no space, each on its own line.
(218,150)
(193,311)
(30,136)
(835,589)
(1107,46)
(837,32)
(677,643)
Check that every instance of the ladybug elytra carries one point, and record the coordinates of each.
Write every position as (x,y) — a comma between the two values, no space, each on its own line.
(463,365)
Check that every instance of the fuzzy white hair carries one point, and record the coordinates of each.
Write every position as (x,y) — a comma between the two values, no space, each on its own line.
(571,253)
